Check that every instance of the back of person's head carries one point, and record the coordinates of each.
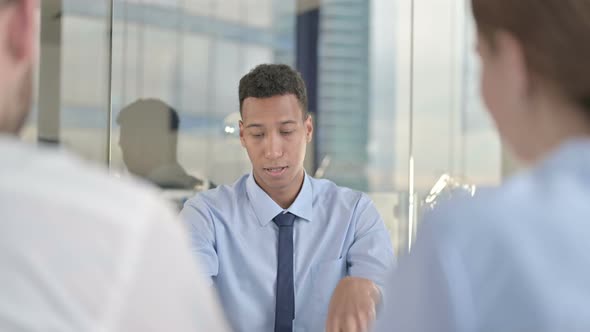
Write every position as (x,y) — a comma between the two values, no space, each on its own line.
(554,36)
(269,80)
(18,36)
(535,71)
(148,135)
(149,115)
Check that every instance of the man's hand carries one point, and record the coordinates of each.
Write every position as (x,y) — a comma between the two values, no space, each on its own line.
(353,305)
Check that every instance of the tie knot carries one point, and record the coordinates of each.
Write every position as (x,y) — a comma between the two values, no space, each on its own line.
(284,219)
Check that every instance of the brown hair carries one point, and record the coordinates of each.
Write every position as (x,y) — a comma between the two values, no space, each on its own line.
(554,35)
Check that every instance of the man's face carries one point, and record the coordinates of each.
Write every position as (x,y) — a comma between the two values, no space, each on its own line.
(275,135)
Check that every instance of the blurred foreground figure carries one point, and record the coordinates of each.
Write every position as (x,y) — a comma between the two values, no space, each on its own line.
(514,258)
(80,251)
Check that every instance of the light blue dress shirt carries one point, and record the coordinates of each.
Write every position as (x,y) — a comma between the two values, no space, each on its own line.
(337,233)
(515,258)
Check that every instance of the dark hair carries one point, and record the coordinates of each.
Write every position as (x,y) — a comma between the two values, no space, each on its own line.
(269,80)
(148,114)
(554,36)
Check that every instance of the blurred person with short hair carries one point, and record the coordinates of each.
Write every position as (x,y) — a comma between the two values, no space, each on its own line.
(79,250)
(515,258)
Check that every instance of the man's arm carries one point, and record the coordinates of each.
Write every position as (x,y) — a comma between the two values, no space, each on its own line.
(199,223)
(354,302)
(353,306)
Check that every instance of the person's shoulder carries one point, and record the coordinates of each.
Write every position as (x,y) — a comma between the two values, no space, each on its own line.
(54,176)
(60,211)
(220,196)
(491,214)
(553,186)
(324,189)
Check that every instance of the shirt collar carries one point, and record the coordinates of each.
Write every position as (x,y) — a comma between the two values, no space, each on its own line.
(573,152)
(266,209)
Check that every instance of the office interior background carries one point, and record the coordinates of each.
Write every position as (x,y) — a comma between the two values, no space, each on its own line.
(393,88)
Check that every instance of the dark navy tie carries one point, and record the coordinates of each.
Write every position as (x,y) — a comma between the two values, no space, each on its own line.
(285,306)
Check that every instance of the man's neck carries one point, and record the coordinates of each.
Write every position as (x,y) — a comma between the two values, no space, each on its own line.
(285,198)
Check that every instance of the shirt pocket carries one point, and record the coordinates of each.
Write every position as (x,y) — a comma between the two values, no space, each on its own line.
(325,277)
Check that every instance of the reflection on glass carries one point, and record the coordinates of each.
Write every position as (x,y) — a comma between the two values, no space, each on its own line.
(445,188)
(148,141)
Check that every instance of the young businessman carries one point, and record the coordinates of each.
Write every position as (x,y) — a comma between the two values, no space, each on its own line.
(285,251)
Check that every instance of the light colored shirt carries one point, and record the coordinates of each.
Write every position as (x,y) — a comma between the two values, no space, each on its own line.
(337,233)
(512,259)
(82,251)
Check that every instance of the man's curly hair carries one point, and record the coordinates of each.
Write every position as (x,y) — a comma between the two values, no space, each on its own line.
(269,80)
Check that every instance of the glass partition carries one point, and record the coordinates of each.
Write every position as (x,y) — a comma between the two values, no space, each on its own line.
(148,88)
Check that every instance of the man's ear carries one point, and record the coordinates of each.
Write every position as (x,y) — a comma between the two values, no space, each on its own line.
(308,123)
(242,133)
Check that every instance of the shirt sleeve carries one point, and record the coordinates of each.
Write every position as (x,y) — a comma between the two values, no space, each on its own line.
(429,290)
(199,222)
(166,292)
(371,253)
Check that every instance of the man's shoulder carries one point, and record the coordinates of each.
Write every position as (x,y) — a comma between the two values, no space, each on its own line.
(42,175)
(221,196)
(327,190)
